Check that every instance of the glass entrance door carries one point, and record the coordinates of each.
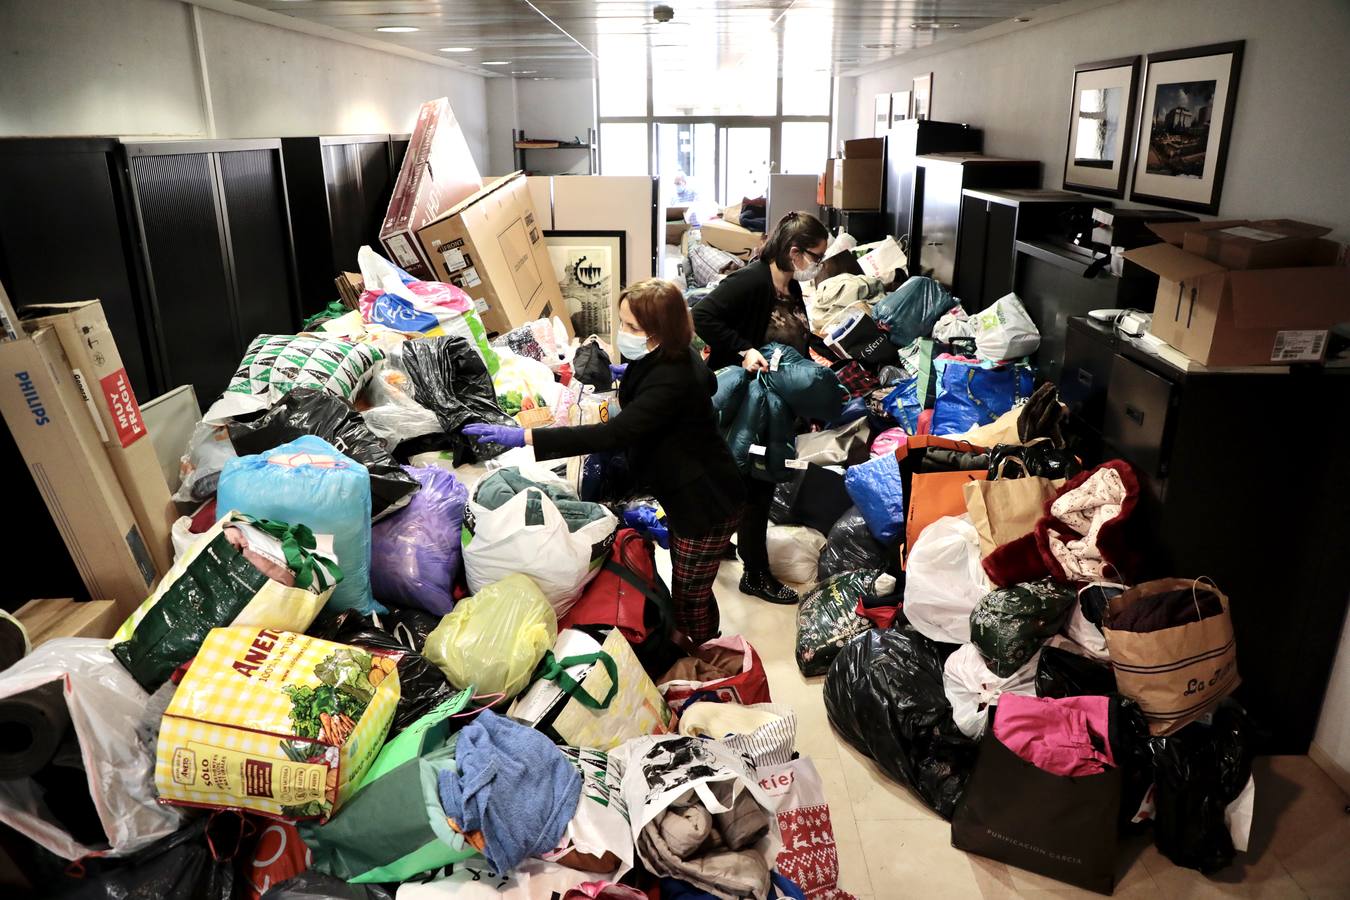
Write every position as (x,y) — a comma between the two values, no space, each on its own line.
(747,159)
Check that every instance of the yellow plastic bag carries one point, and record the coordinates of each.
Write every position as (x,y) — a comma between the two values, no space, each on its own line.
(275,722)
(494,639)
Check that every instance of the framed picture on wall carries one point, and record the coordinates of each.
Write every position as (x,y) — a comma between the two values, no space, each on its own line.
(589,266)
(882,118)
(923,96)
(900,110)
(1101,123)
(1184,126)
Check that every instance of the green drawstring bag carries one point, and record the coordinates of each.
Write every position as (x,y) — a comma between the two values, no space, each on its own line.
(394,828)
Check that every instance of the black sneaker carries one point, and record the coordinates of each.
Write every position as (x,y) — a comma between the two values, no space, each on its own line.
(766,587)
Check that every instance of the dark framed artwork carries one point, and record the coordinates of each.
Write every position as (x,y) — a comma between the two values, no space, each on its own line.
(900,110)
(881,121)
(923,96)
(589,266)
(1185,121)
(1101,125)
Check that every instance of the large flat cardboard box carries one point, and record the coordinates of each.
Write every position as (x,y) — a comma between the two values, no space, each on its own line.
(437,173)
(47,619)
(64,454)
(97,366)
(860,176)
(1223,317)
(491,246)
(825,188)
(1263,244)
(737,240)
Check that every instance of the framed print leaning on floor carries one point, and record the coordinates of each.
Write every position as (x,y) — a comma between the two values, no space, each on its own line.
(1184,126)
(589,266)
(1101,123)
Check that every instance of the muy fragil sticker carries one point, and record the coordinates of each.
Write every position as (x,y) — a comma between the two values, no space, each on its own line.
(126,412)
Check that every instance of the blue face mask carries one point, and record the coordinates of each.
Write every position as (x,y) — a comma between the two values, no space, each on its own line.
(631,346)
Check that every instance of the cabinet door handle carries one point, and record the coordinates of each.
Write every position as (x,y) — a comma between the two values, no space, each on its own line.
(1085,377)
(1135,414)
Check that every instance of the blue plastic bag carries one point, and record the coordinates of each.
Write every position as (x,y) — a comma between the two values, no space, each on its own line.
(904,404)
(649,522)
(969,396)
(308,482)
(877,491)
(911,310)
(415,553)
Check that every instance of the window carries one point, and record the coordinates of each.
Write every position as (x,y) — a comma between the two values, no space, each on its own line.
(805,146)
(623,148)
(700,78)
(807,37)
(623,76)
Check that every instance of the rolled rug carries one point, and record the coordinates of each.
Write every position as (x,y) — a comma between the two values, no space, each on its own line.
(34,723)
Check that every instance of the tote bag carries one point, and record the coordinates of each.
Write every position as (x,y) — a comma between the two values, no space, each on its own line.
(1005,509)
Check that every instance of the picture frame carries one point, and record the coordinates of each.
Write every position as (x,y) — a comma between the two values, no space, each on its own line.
(1101,126)
(881,121)
(900,106)
(1185,124)
(589,267)
(923,96)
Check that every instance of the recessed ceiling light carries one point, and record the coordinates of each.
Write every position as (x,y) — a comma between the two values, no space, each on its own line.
(498,62)
(1021,19)
(543,79)
(398,29)
(934,26)
(879,46)
(456,49)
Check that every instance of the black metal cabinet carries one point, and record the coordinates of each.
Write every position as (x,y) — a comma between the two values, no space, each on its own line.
(939,182)
(904,144)
(1220,502)
(339,189)
(991,224)
(215,238)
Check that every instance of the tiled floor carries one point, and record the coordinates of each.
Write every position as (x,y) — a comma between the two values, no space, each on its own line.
(891,845)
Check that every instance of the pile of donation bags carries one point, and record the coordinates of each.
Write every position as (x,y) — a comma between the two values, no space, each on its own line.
(369,675)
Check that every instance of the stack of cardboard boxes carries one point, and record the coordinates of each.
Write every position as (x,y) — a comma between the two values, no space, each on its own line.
(1246,293)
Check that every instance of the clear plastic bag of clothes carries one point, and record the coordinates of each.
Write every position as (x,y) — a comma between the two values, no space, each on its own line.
(208,450)
(394,415)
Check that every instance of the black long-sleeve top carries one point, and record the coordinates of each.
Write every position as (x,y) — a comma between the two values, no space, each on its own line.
(735,316)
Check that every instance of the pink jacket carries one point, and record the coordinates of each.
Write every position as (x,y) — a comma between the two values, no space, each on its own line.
(1066,736)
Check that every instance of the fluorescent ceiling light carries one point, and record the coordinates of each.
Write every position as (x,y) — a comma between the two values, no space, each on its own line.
(498,62)
(935,26)
(526,72)
(398,29)
(456,49)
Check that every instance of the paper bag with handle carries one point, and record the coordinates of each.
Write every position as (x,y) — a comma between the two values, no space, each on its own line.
(1172,648)
(1004,509)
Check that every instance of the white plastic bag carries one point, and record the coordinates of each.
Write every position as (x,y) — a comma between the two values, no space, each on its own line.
(953,325)
(208,450)
(971,688)
(1088,638)
(793,553)
(106,707)
(809,856)
(944,580)
(1004,330)
(473,879)
(558,560)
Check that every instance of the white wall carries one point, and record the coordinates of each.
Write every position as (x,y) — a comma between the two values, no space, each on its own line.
(562,108)
(135,68)
(1292,122)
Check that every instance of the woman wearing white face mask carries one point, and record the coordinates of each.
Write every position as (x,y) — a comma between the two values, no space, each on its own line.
(667,426)
(748,308)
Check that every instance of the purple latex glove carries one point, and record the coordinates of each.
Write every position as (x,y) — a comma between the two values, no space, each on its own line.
(495,434)
(616,372)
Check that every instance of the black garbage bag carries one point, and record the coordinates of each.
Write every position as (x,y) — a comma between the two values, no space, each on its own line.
(849,546)
(421,684)
(884,695)
(309,411)
(450,379)
(590,365)
(314,885)
(193,863)
(1041,460)
(814,496)
(1061,673)
(1199,771)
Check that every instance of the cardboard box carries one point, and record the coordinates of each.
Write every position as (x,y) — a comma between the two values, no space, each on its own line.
(97,366)
(65,456)
(825,185)
(1223,317)
(47,619)
(1264,244)
(860,176)
(491,246)
(437,173)
(734,239)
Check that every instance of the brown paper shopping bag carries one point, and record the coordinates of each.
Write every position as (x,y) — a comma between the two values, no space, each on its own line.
(1005,509)
(1178,672)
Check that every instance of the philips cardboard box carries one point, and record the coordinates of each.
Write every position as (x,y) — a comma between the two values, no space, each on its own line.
(438,172)
(97,369)
(1233,317)
(61,446)
(860,175)
(491,246)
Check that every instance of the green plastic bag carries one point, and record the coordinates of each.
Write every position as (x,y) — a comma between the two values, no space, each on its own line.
(394,827)
(495,638)
(827,618)
(1010,624)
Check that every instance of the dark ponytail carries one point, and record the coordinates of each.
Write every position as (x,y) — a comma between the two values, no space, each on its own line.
(796,229)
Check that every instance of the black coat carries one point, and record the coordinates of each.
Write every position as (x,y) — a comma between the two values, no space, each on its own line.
(735,316)
(667,425)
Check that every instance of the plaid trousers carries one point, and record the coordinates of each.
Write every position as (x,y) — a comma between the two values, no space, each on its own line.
(694,563)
